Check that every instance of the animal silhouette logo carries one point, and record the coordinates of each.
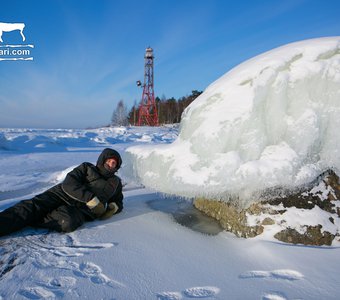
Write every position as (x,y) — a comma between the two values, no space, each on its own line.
(8,27)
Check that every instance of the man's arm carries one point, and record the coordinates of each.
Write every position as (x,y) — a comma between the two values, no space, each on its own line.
(115,204)
(118,197)
(75,185)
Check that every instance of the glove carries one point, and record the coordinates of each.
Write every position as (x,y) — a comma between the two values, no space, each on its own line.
(93,203)
(111,210)
(96,207)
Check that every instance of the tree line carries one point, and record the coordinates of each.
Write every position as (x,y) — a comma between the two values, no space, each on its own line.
(169,110)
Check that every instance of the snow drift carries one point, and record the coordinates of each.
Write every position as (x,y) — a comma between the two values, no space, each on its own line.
(273,121)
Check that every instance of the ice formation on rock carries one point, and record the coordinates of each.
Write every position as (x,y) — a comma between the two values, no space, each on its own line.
(273,121)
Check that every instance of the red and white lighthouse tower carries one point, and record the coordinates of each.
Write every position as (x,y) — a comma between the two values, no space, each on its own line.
(147,111)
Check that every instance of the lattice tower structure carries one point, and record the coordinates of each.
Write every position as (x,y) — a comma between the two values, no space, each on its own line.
(147,111)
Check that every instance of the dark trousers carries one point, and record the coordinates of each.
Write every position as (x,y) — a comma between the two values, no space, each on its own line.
(45,210)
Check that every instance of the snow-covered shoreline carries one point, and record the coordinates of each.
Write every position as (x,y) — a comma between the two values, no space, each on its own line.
(142,253)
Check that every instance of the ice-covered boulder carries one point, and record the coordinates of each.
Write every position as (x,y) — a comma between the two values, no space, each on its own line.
(273,121)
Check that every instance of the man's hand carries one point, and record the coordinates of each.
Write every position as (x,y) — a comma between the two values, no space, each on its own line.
(111,210)
(97,208)
(93,203)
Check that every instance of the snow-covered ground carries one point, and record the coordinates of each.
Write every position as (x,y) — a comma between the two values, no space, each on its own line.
(156,248)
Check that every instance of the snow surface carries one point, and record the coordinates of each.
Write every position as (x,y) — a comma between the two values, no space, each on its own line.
(144,252)
(272,121)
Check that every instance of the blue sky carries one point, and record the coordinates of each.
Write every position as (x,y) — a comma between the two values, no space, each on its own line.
(89,53)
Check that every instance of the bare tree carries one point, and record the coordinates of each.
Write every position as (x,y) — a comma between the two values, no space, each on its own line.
(120,115)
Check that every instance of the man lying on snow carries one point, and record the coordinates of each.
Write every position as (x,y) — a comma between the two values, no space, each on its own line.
(87,193)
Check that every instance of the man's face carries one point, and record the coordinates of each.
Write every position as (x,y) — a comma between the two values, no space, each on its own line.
(111,164)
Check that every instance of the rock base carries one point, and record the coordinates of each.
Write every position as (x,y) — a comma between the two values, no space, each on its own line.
(253,220)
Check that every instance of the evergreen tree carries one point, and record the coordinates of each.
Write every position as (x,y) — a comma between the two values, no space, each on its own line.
(169,109)
(132,117)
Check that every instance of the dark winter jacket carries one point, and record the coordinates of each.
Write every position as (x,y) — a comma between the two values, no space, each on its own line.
(86,181)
